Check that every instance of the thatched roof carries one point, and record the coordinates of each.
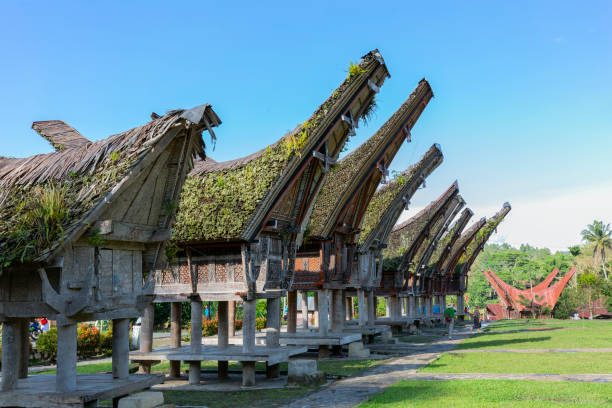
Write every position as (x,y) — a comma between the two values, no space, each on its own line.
(460,246)
(390,199)
(48,199)
(447,241)
(350,173)
(483,235)
(60,134)
(405,237)
(224,201)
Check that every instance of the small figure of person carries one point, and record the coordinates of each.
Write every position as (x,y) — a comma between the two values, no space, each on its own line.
(206,312)
(44,324)
(449,318)
(476,320)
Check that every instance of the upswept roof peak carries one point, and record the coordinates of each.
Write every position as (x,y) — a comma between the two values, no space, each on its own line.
(391,199)
(370,159)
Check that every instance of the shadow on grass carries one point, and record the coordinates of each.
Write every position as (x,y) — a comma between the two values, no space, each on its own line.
(533,330)
(496,343)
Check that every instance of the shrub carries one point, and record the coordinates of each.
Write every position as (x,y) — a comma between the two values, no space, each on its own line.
(88,340)
(106,341)
(47,343)
(260,323)
(210,327)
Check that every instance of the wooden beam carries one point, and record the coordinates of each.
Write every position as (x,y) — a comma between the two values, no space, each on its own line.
(113,230)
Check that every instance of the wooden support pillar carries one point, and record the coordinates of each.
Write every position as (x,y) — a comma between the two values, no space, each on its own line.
(248,326)
(24,347)
(121,348)
(223,337)
(231,316)
(349,308)
(337,312)
(323,311)
(291,311)
(394,307)
(460,303)
(248,373)
(175,336)
(146,336)
(371,308)
(316,309)
(387,307)
(65,380)
(304,306)
(196,339)
(363,309)
(10,353)
(273,323)
(248,341)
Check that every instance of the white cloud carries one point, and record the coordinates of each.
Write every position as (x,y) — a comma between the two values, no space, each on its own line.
(551,220)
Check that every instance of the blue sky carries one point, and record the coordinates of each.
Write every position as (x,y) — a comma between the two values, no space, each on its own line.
(523,90)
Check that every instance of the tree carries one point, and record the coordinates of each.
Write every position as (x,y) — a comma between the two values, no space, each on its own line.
(589,289)
(599,236)
(575,250)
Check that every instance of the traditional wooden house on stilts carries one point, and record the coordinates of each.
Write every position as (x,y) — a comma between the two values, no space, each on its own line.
(81,231)
(407,242)
(455,276)
(381,216)
(443,250)
(240,223)
(327,259)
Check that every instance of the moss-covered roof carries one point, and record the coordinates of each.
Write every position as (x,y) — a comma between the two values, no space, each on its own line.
(404,236)
(349,173)
(447,241)
(431,240)
(219,200)
(481,238)
(385,202)
(461,244)
(44,198)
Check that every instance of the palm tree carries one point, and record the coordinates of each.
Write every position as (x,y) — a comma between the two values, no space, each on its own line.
(600,236)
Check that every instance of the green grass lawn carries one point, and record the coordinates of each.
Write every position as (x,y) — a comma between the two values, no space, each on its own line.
(492,393)
(528,363)
(543,334)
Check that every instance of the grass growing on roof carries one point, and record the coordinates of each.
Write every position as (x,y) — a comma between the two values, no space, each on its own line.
(35,218)
(381,201)
(217,205)
(481,237)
